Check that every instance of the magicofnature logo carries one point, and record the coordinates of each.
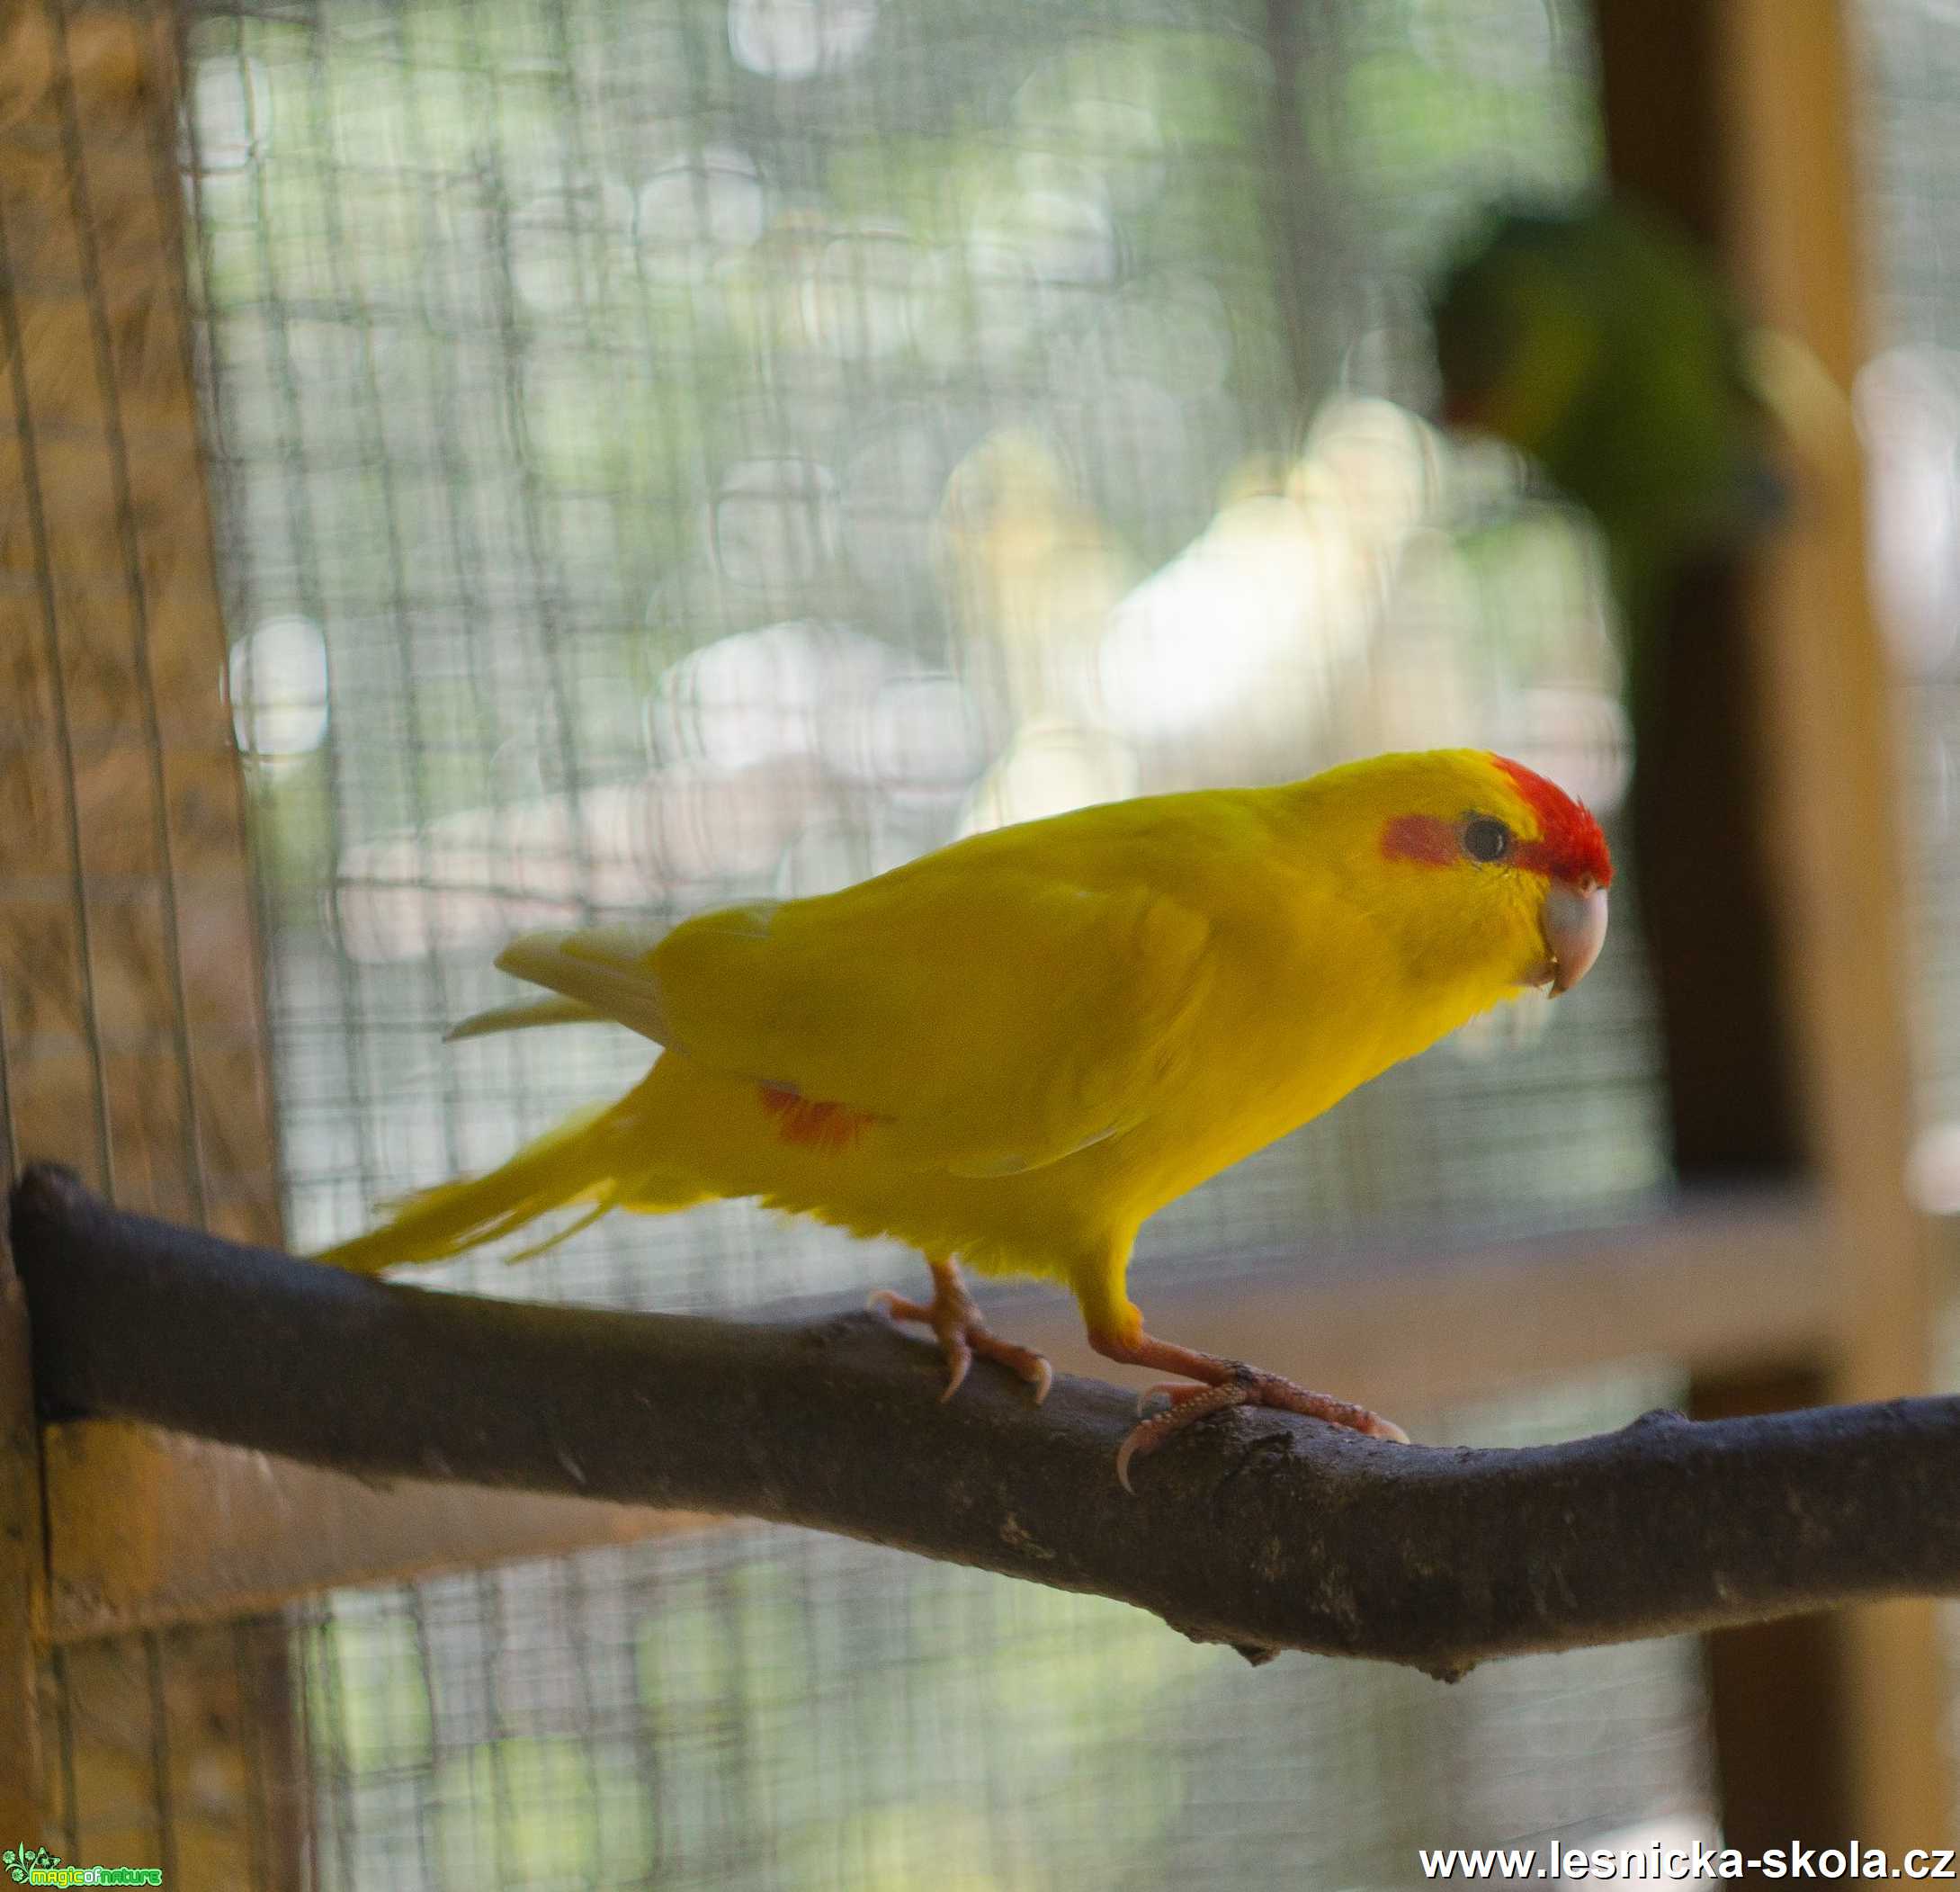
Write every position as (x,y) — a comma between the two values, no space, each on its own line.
(29,1865)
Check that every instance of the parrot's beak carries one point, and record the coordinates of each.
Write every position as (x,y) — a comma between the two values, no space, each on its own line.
(1575,929)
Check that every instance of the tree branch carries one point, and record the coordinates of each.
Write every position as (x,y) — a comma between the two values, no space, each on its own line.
(1257,1528)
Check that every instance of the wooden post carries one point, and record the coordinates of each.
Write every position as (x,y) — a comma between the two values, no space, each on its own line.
(1738,119)
(132,1043)
(23,1613)
(1832,830)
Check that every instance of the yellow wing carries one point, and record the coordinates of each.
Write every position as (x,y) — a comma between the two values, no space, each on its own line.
(986,1016)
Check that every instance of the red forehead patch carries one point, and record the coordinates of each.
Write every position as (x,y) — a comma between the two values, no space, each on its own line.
(1570,844)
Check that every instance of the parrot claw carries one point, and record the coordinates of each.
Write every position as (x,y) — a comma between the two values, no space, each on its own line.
(959,1352)
(1243,1385)
(963,1334)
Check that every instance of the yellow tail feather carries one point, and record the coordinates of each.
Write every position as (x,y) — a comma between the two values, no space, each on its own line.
(587,1157)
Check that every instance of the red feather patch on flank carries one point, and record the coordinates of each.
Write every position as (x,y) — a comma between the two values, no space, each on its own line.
(814,1125)
(1569,845)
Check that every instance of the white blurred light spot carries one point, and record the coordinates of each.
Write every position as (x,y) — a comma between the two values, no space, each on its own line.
(892,488)
(711,825)
(1068,236)
(1934,771)
(1577,737)
(554,236)
(798,38)
(818,693)
(1907,401)
(919,735)
(1515,1024)
(978,300)
(775,522)
(1099,101)
(1933,1170)
(826,855)
(1132,423)
(858,301)
(1374,461)
(713,201)
(471,880)
(544,263)
(1261,624)
(1199,635)
(762,695)
(1672,1833)
(1458,41)
(1175,334)
(1125,143)
(1051,769)
(231,104)
(278,681)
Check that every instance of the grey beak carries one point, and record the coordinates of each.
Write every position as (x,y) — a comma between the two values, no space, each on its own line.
(1575,929)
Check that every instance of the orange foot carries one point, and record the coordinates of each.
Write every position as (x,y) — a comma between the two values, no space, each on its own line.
(1222,1383)
(963,1334)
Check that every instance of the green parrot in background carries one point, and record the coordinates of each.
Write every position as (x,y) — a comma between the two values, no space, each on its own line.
(1598,342)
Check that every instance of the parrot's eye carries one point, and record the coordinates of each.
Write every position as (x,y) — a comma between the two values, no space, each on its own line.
(1486,839)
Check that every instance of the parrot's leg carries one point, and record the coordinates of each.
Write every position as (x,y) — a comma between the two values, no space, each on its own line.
(953,1316)
(1222,1383)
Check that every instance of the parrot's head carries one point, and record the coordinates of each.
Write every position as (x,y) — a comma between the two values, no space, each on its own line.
(1517,335)
(1598,339)
(1487,877)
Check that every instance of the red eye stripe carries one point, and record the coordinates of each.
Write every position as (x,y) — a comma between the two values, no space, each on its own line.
(1569,845)
(1424,838)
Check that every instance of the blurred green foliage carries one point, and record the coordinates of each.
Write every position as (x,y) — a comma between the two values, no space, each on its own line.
(550,342)
(498,293)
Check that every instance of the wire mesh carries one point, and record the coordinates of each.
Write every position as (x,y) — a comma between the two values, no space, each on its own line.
(762,1707)
(179,1751)
(679,452)
(661,473)
(1907,400)
(130,1040)
(1908,406)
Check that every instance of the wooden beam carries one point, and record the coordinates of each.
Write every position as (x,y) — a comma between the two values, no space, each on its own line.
(132,1041)
(1698,847)
(24,1612)
(1264,1531)
(1412,1324)
(1830,821)
(1738,119)
(1777,1689)
(1407,1326)
(230,1532)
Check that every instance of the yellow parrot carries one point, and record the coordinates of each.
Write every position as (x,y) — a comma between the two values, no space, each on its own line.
(1011,1051)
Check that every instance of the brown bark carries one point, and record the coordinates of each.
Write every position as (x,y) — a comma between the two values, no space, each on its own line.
(1258,1529)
